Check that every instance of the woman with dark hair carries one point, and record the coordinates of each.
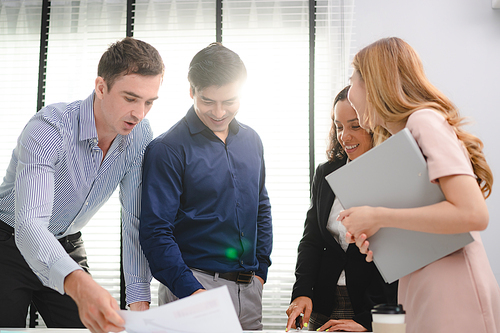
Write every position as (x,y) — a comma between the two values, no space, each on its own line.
(335,287)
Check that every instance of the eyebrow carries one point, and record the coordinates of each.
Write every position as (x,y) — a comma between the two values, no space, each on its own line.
(206,99)
(137,96)
(349,121)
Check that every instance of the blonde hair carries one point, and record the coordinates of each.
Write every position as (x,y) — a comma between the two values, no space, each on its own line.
(396,87)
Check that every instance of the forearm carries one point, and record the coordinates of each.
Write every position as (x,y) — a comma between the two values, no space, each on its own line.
(264,237)
(165,258)
(136,270)
(307,268)
(440,218)
(463,210)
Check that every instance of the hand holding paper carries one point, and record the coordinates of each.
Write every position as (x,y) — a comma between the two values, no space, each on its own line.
(211,311)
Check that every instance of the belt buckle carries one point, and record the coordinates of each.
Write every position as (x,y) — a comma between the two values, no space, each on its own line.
(244,277)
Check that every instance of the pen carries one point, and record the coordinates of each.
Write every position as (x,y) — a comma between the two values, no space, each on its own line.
(297,322)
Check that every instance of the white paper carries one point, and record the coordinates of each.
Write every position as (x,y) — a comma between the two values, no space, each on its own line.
(210,311)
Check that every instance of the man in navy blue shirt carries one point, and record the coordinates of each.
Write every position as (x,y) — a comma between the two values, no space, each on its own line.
(206,218)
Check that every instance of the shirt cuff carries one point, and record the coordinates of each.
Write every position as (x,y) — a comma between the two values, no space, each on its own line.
(58,272)
(138,292)
(186,285)
(262,271)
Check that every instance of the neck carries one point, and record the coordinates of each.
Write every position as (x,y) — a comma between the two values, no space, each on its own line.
(105,138)
(222,135)
(394,127)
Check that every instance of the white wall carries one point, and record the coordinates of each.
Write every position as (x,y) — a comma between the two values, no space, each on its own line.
(459,43)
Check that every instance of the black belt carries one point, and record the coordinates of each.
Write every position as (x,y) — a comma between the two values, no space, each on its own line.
(6,227)
(69,238)
(238,277)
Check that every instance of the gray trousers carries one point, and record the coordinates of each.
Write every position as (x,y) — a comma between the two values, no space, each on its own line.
(247,298)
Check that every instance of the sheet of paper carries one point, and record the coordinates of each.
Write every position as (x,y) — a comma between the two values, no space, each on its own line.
(211,311)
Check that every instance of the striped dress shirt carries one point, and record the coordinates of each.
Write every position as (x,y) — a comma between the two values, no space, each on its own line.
(57,180)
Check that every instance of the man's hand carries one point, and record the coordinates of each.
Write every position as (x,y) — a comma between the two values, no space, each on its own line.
(198,291)
(260,279)
(96,306)
(139,306)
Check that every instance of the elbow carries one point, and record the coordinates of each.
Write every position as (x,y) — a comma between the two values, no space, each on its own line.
(478,219)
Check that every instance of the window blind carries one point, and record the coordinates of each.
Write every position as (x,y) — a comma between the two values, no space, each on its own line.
(272,38)
(19,53)
(334,48)
(178,30)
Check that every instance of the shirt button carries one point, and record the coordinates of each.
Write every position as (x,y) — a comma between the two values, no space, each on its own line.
(242,234)
(241,262)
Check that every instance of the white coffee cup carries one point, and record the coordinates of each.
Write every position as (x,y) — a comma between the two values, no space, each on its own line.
(388,318)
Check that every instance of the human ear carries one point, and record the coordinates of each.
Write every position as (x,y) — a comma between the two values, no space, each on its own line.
(100,87)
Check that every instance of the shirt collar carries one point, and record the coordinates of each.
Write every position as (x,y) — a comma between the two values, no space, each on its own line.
(87,121)
(87,128)
(195,125)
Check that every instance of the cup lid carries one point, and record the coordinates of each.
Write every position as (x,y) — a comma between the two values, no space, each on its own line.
(388,309)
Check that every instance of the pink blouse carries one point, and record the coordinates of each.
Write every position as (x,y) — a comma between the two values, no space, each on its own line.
(445,154)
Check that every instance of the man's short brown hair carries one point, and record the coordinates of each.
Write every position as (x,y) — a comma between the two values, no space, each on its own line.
(215,65)
(129,56)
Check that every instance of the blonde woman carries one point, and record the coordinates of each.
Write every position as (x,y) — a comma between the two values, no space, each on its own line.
(457,293)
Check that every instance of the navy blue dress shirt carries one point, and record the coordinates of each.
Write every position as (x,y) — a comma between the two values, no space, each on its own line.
(204,204)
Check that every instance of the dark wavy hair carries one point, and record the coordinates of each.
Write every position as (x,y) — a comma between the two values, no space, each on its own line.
(334,151)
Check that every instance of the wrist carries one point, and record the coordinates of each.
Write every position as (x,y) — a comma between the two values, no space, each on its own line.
(139,306)
(74,281)
(381,217)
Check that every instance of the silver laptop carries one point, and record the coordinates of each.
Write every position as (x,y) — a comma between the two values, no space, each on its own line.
(394,175)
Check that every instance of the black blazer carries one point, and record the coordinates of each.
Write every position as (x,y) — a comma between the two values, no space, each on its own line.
(320,260)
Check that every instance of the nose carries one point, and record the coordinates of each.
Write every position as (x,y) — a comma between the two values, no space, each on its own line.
(140,111)
(346,135)
(219,111)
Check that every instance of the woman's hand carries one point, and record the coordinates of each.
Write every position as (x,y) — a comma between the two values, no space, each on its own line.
(360,220)
(302,304)
(361,223)
(344,325)
(362,244)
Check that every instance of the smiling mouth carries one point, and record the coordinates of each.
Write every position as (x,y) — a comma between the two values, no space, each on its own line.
(351,147)
(218,120)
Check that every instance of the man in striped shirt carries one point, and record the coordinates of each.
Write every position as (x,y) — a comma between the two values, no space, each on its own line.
(68,161)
